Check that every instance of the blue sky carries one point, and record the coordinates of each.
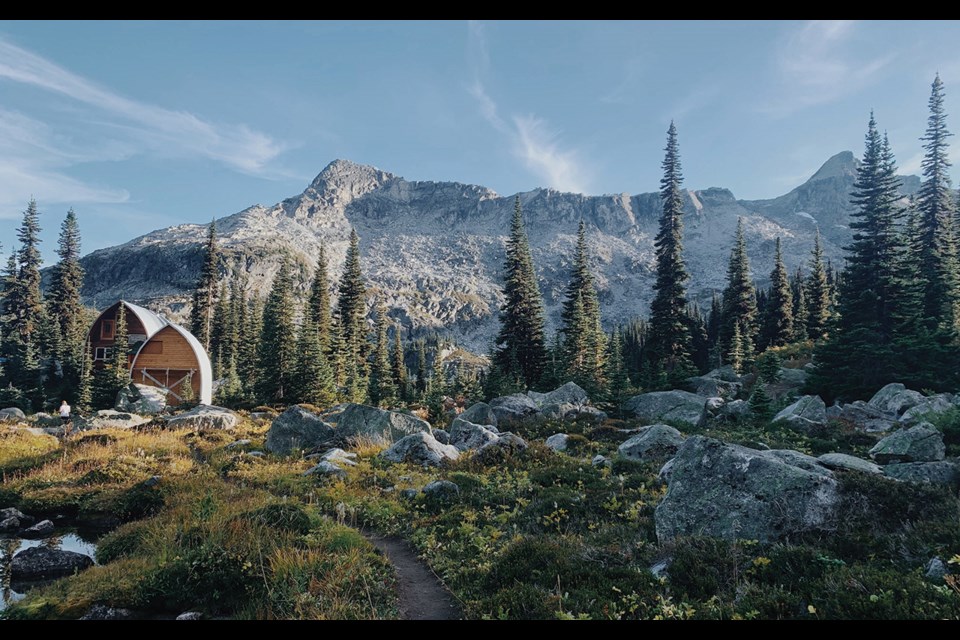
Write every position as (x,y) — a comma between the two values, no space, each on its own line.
(141,125)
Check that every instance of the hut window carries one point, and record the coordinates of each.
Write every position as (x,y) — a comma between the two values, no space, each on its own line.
(154,346)
(107,329)
(102,353)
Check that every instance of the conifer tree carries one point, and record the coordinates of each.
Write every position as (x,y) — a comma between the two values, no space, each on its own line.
(219,330)
(399,366)
(314,380)
(383,391)
(421,385)
(352,308)
(205,293)
(277,349)
(84,400)
(800,312)
(619,385)
(115,375)
(778,314)
(64,305)
(699,339)
(520,342)
(739,304)
(669,342)
(319,303)
(583,339)
(761,405)
(817,294)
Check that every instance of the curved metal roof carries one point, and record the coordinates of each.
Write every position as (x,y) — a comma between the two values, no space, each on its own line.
(151,321)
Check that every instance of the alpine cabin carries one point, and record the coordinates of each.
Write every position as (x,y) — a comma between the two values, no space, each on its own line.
(159,353)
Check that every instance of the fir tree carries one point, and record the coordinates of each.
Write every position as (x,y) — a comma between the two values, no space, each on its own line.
(383,391)
(739,304)
(64,305)
(778,314)
(761,405)
(319,303)
(617,370)
(817,294)
(669,343)
(84,400)
(421,368)
(219,330)
(520,342)
(352,307)
(399,366)
(584,341)
(800,313)
(277,353)
(713,331)
(699,339)
(205,293)
(115,375)
(314,379)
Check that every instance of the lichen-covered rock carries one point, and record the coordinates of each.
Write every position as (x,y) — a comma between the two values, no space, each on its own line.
(848,463)
(865,417)
(599,461)
(557,442)
(735,410)
(422,449)
(927,408)
(109,419)
(466,435)
(38,563)
(296,429)
(339,456)
(729,491)
(480,413)
(357,420)
(935,570)
(920,443)
(895,398)
(942,472)
(658,442)
(190,615)
(204,417)
(105,612)
(141,399)
(667,406)
(808,412)
(799,460)
(515,409)
(572,412)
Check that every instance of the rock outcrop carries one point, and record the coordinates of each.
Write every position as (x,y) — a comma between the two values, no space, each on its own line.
(298,429)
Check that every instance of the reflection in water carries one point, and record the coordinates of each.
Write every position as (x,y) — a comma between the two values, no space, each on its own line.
(9,547)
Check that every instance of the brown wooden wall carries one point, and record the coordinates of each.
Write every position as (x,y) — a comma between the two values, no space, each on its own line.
(167,357)
(134,326)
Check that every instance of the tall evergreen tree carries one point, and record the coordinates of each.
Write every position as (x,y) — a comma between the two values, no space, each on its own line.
(22,296)
(421,385)
(205,293)
(669,341)
(584,345)
(352,313)
(778,315)
(937,208)
(399,365)
(220,329)
(277,349)
(64,305)
(84,399)
(800,312)
(319,303)
(699,338)
(520,342)
(817,294)
(314,380)
(739,304)
(383,392)
(115,375)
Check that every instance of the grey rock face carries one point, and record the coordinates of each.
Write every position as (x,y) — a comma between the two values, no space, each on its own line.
(141,399)
(667,406)
(422,449)
(38,563)
(443,490)
(569,393)
(895,398)
(799,460)
(39,530)
(599,460)
(809,412)
(507,444)
(341,457)
(735,411)
(935,570)
(932,406)
(204,417)
(515,409)
(557,442)
(22,518)
(659,442)
(442,436)
(919,443)
(729,491)
(711,387)
(12,414)
(358,420)
(866,417)
(942,472)
(104,612)
(190,615)
(326,469)
(480,413)
(109,419)
(296,429)
(848,463)
(466,435)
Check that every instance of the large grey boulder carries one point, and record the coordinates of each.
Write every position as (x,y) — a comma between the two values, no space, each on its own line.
(667,406)
(808,412)
(38,563)
(865,417)
(441,490)
(848,463)
(515,409)
(327,469)
(142,399)
(480,413)
(508,444)
(204,417)
(570,393)
(942,472)
(109,419)
(572,412)
(12,414)
(735,411)
(927,408)
(895,398)
(658,442)
(799,460)
(557,442)
(296,429)
(919,443)
(422,449)
(729,491)
(42,529)
(360,421)
(466,435)
(725,373)
(713,387)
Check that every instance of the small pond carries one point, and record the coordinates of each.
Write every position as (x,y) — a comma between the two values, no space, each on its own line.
(80,542)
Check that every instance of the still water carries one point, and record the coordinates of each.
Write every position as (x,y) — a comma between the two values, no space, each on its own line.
(9,547)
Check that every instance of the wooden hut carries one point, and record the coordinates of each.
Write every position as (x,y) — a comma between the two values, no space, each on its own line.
(160,353)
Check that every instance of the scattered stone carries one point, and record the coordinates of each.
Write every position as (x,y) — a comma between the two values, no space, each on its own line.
(735,411)
(42,529)
(848,463)
(38,563)
(409,494)
(557,442)
(104,612)
(809,412)
(238,443)
(599,461)
(46,420)
(833,411)
(326,469)
(442,490)
(339,456)
(928,407)
(796,459)
(935,570)
(667,406)
(481,413)
(920,443)
(204,417)
(508,444)
(729,491)
(190,615)
(515,409)
(12,414)
(659,570)
(466,435)
(420,448)
(659,442)
(866,417)
(296,429)
(570,393)
(141,399)
(256,454)
(442,436)
(942,472)
(895,398)
(9,525)
(725,373)
(109,419)
(357,420)
(22,518)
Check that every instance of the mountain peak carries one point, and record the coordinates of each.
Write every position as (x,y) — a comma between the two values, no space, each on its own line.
(348,175)
(842,164)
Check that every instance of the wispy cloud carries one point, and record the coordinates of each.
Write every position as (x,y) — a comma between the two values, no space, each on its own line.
(531,138)
(816,65)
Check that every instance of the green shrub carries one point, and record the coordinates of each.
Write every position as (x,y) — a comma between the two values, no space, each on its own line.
(119,543)
(284,516)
